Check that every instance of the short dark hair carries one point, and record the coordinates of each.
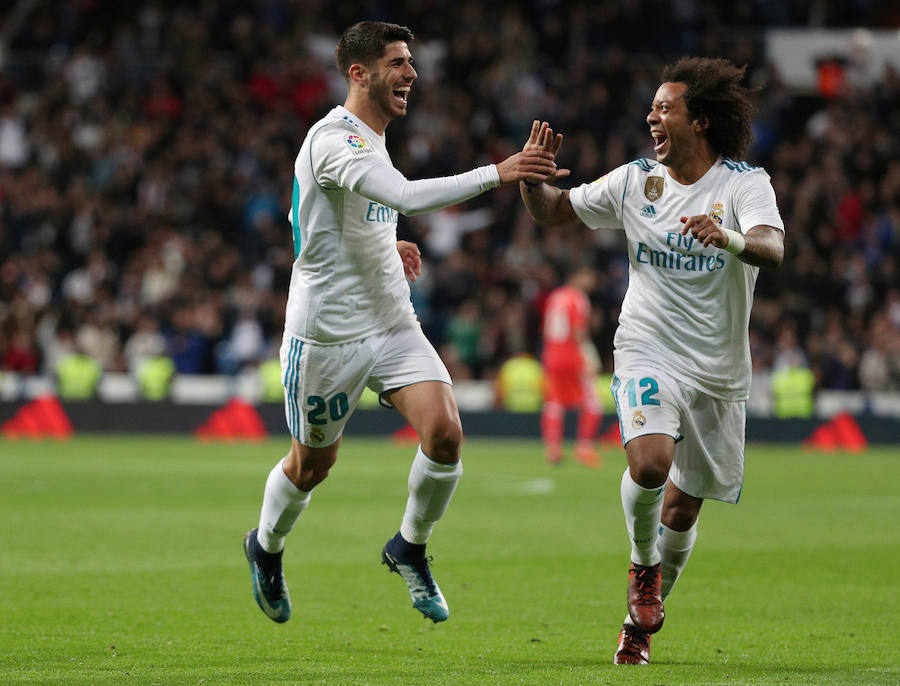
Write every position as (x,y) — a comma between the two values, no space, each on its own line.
(714,93)
(364,43)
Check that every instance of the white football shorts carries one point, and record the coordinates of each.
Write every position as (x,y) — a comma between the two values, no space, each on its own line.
(323,383)
(708,432)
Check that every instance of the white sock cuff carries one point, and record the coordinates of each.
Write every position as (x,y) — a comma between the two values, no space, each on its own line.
(644,496)
(416,531)
(678,540)
(437,470)
(283,489)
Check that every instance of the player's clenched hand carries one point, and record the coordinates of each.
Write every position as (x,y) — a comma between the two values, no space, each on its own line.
(704,230)
(412,259)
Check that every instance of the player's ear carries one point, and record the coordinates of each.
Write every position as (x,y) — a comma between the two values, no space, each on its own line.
(359,75)
(701,124)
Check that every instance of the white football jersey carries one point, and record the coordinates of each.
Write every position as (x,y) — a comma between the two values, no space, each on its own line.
(348,280)
(687,308)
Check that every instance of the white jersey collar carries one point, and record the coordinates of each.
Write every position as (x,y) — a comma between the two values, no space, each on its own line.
(699,183)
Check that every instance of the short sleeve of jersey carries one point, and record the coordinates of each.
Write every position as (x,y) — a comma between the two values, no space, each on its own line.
(341,157)
(754,202)
(599,204)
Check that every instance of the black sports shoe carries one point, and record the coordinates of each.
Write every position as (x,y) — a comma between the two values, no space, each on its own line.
(423,589)
(269,589)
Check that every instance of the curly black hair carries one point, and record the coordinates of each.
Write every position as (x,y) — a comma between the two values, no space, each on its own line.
(364,43)
(714,93)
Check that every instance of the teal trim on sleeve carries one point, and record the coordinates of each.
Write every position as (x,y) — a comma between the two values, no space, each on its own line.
(295,217)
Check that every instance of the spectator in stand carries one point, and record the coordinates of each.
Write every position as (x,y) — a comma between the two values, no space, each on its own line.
(20,354)
(879,367)
(146,342)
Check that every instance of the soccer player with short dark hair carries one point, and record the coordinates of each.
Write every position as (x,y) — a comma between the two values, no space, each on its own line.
(350,323)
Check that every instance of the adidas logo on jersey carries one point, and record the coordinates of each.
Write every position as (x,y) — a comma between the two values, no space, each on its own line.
(649,211)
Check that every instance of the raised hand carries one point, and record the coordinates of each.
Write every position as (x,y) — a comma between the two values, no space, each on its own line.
(541,138)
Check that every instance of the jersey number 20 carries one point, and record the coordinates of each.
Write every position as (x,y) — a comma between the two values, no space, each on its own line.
(337,406)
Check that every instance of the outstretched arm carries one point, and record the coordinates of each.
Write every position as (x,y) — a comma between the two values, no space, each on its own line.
(761,246)
(384,184)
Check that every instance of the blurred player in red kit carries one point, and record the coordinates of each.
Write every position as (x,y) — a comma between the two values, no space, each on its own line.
(570,365)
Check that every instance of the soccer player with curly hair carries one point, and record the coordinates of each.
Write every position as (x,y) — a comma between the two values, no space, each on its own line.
(699,224)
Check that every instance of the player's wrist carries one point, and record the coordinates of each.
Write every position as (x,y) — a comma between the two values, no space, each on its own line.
(736,242)
(532,184)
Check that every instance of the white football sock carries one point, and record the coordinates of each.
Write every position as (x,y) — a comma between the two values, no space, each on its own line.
(674,548)
(643,508)
(431,485)
(282,504)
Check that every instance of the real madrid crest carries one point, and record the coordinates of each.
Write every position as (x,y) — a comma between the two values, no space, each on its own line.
(317,435)
(717,214)
(638,420)
(653,188)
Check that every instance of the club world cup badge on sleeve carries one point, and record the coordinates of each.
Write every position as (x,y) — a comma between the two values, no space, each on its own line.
(653,188)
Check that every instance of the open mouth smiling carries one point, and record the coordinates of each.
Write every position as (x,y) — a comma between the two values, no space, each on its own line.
(401,94)
(659,140)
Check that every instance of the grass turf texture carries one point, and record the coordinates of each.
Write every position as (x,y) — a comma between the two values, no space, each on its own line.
(122,564)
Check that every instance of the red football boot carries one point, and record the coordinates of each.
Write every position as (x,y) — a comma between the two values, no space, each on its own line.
(645,605)
(633,648)
(587,456)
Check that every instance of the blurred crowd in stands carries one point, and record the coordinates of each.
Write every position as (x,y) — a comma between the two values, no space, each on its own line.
(146,153)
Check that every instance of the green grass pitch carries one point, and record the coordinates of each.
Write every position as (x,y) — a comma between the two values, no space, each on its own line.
(121,563)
